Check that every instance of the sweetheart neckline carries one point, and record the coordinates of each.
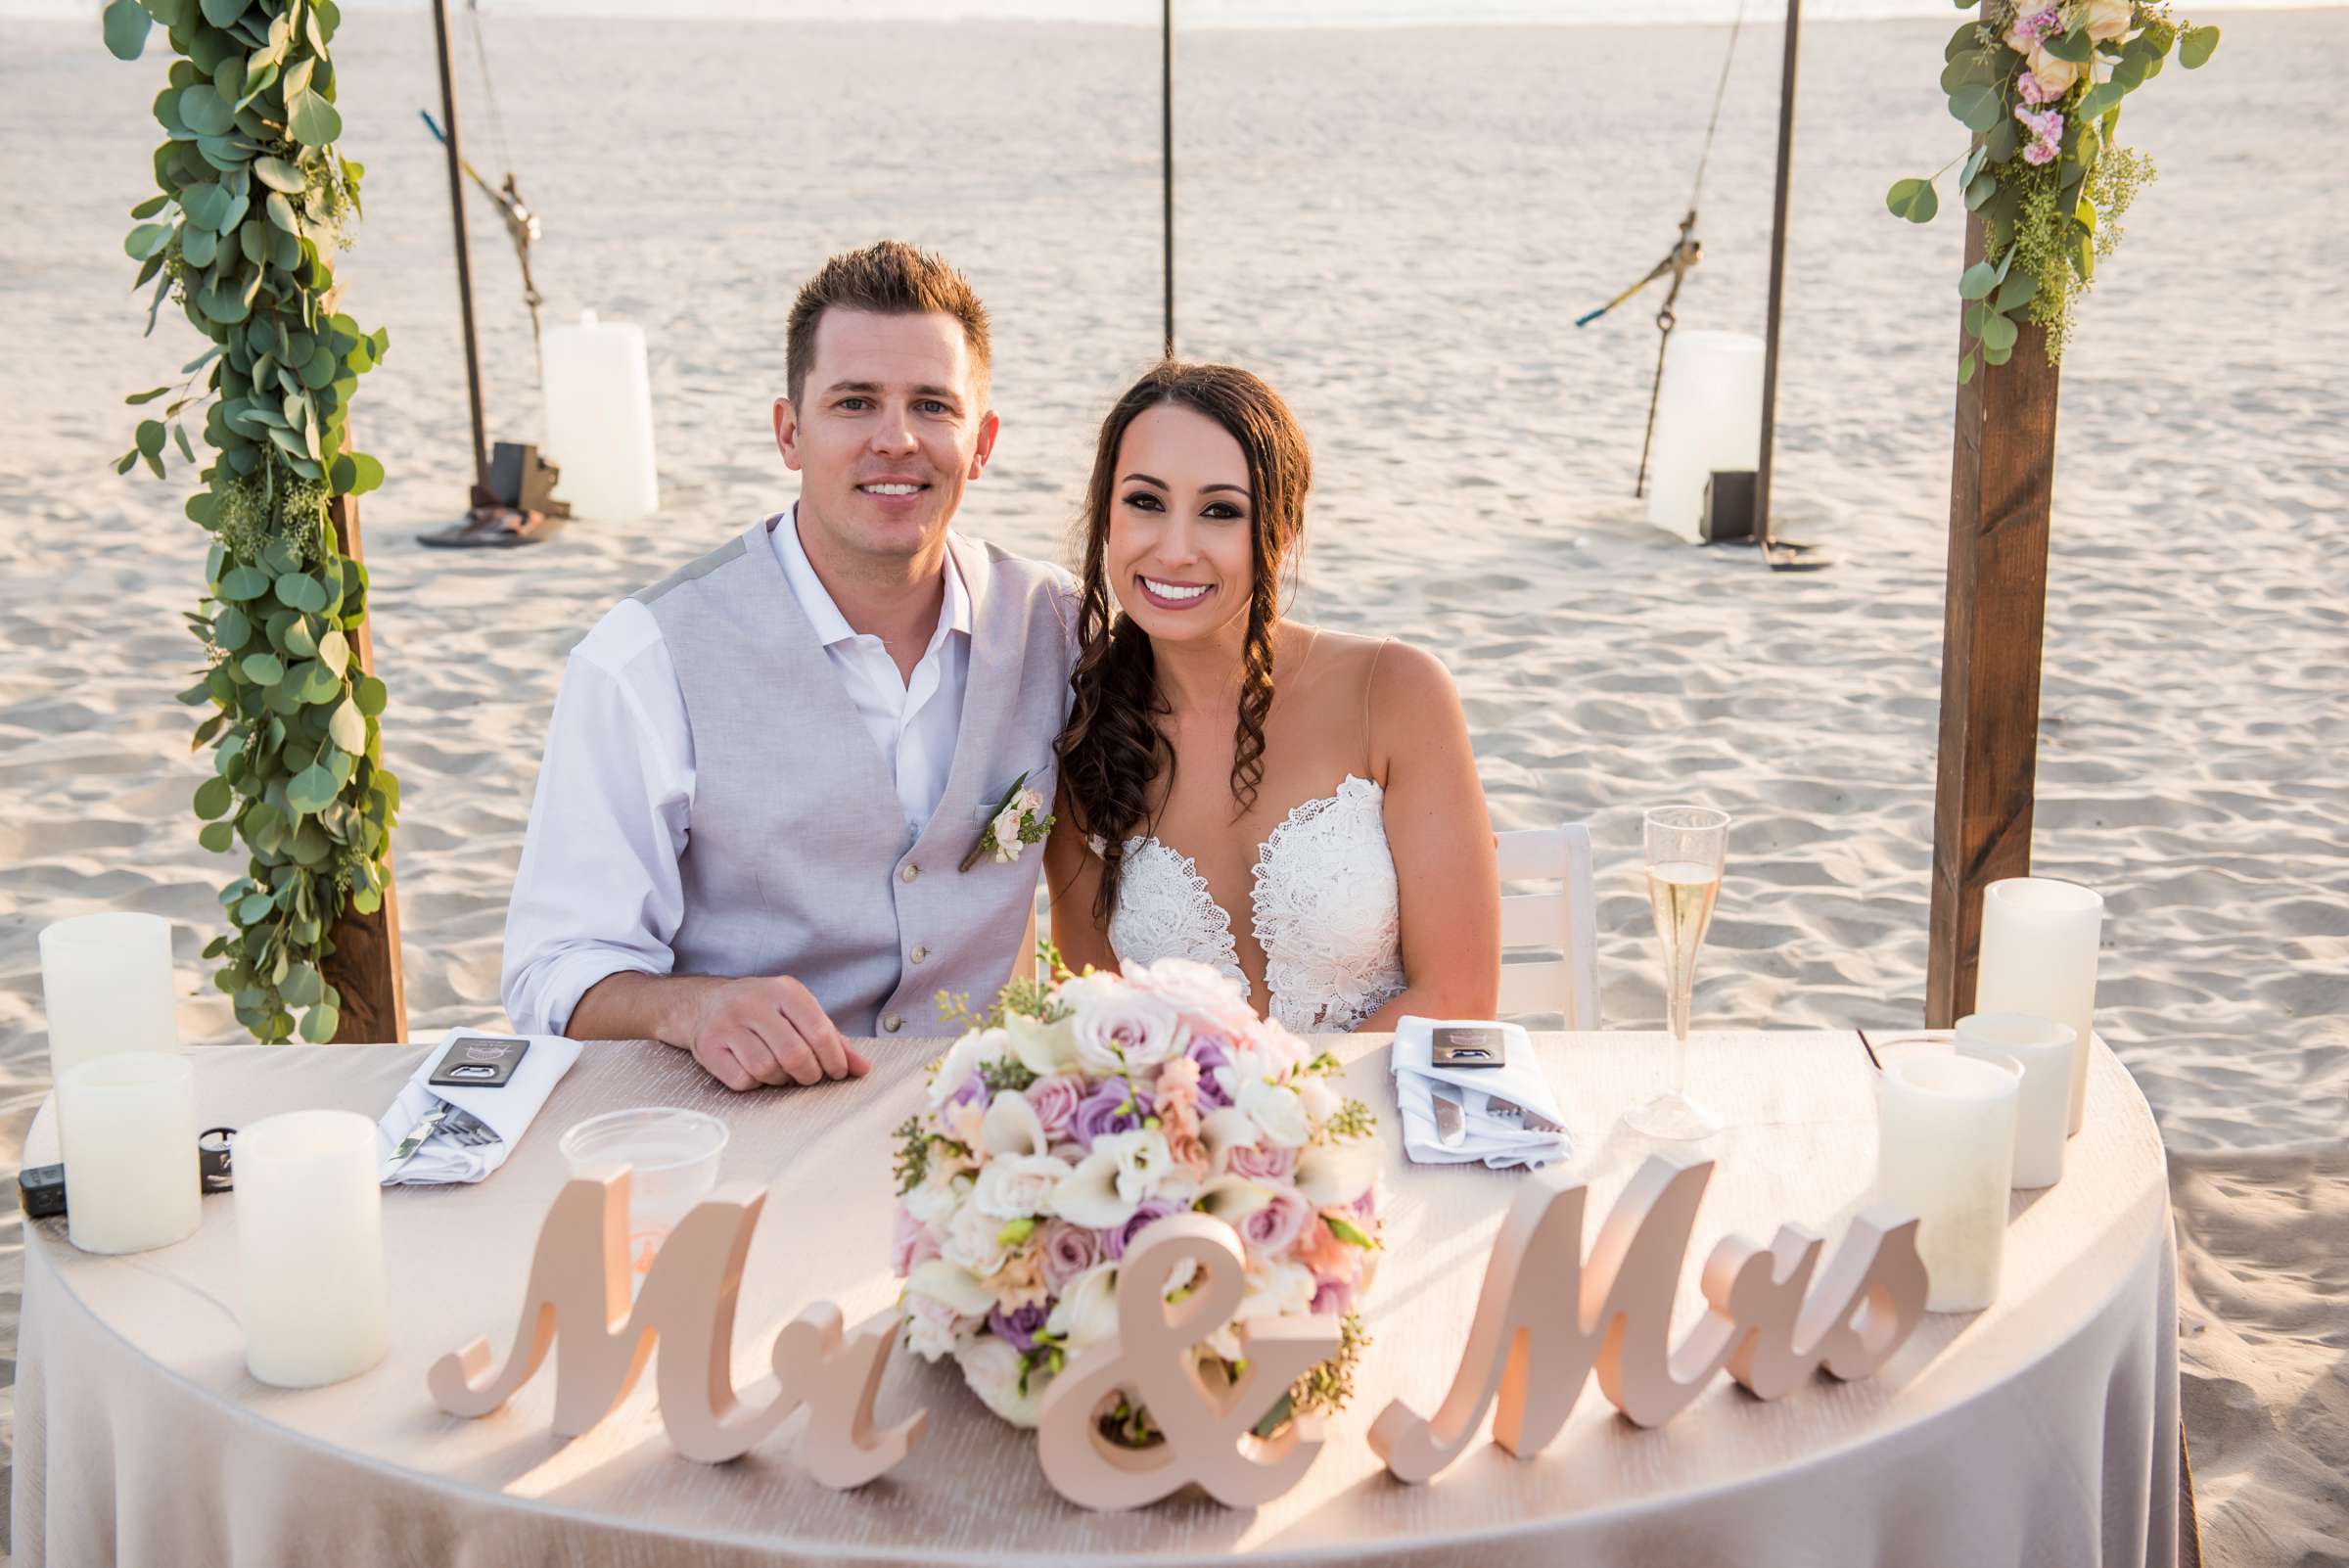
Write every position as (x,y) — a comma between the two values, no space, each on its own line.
(1189,866)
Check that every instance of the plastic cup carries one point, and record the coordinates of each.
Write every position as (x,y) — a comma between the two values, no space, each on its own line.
(672,1156)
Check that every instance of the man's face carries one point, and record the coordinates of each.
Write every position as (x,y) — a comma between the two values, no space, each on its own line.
(890,427)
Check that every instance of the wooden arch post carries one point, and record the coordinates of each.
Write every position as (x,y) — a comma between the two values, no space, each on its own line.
(364,966)
(2002,480)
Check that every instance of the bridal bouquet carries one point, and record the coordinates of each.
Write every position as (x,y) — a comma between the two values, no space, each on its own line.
(1070,1116)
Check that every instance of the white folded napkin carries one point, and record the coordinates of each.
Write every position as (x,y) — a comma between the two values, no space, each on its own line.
(1497,1143)
(508,1109)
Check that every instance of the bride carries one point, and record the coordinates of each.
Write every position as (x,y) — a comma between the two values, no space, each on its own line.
(1295,807)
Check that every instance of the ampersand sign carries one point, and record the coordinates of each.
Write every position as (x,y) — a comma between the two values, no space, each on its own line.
(1153,1357)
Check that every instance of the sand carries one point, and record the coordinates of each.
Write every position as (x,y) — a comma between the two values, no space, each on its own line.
(1395,228)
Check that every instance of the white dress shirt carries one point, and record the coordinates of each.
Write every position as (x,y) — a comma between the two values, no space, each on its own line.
(598,890)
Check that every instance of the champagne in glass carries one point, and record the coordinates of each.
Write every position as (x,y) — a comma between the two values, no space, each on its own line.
(1685,847)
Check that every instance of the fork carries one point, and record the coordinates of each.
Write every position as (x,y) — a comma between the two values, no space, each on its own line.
(1511,1111)
(464,1128)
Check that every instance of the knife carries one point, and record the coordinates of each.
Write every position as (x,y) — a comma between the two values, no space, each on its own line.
(1452,1128)
(415,1140)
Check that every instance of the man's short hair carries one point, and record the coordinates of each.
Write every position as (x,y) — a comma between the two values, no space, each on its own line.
(891,279)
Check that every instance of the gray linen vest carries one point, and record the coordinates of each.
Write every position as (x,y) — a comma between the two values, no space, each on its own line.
(797,860)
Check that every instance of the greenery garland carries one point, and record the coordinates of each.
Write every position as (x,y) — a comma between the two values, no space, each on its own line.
(2041,84)
(254,200)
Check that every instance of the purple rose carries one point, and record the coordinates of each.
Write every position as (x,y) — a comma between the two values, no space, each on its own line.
(972,1092)
(1365,1207)
(1111,1108)
(1054,1100)
(1332,1297)
(1069,1251)
(1210,1053)
(1275,1226)
(1018,1329)
(1116,1240)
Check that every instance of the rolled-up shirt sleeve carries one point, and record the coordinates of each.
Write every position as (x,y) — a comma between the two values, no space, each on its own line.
(598,890)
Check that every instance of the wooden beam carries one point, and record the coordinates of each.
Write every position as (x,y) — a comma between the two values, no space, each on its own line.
(364,966)
(2000,485)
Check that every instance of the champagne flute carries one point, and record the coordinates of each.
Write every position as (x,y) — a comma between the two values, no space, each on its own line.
(1685,847)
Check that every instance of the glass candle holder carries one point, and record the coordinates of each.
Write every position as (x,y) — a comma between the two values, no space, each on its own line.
(672,1156)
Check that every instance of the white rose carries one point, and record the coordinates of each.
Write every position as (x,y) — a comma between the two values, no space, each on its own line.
(931,1327)
(1331,1176)
(1276,1111)
(1042,1048)
(1321,1102)
(1089,1195)
(1277,1290)
(1006,829)
(1118,1027)
(2055,75)
(1012,1126)
(932,1202)
(1087,1311)
(1016,1186)
(973,1240)
(1206,994)
(966,1057)
(2108,19)
(992,1370)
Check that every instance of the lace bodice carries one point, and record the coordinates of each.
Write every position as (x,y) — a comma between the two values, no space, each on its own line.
(1324,905)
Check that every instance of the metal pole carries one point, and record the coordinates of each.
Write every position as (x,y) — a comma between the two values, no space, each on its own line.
(1166,149)
(456,213)
(1778,279)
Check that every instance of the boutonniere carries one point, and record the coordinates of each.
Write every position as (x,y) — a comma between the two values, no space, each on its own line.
(1018,821)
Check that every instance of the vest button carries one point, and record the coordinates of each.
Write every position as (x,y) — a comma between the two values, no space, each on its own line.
(908,871)
(919,953)
(891,1023)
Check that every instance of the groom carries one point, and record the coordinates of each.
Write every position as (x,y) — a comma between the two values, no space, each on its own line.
(764,772)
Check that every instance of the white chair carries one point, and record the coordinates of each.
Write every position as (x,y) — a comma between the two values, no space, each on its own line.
(1565,922)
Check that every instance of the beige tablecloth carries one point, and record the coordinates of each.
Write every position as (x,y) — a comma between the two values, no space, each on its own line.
(2043,1431)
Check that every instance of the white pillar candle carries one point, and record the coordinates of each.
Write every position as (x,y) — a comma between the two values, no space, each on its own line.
(127,1124)
(1945,1150)
(310,1247)
(2039,956)
(2044,1050)
(106,984)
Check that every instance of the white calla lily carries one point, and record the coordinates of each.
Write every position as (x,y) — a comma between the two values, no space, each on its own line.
(1090,1195)
(1330,1176)
(1012,1126)
(950,1284)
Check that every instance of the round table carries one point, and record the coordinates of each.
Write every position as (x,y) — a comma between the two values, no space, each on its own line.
(2043,1430)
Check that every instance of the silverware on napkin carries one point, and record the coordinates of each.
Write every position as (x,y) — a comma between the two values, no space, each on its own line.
(416,1138)
(1511,1111)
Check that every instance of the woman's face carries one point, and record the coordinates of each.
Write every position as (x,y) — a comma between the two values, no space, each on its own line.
(1180,554)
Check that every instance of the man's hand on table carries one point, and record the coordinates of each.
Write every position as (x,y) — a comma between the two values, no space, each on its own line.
(764,1030)
(769,1029)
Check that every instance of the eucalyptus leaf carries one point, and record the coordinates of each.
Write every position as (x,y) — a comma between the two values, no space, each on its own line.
(334,652)
(1977,106)
(198,246)
(319,1023)
(2002,141)
(310,789)
(281,212)
(231,629)
(313,120)
(205,111)
(2196,46)
(2019,290)
(216,837)
(1997,332)
(151,437)
(124,25)
(347,729)
(255,908)
(2075,46)
(146,241)
(371,696)
(212,798)
(1982,187)
(263,670)
(1913,199)
(220,13)
(278,175)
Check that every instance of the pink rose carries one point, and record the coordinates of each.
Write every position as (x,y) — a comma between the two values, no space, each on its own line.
(1068,1251)
(912,1246)
(1259,1163)
(1176,1096)
(1332,1299)
(1054,1101)
(1275,1228)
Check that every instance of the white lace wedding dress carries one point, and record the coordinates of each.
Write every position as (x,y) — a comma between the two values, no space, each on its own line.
(1323,902)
